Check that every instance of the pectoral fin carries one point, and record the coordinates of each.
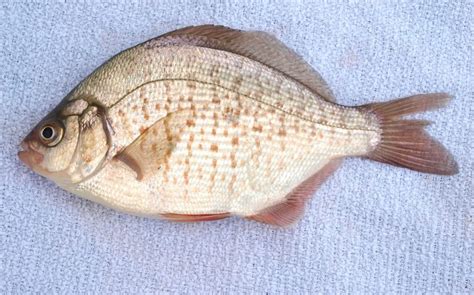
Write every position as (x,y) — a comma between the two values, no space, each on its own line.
(150,150)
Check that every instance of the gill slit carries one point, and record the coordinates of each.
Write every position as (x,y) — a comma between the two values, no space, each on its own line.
(108,130)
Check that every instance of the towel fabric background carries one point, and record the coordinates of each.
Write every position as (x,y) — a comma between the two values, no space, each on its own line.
(370,228)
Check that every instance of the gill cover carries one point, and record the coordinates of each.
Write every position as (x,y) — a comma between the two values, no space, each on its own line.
(92,146)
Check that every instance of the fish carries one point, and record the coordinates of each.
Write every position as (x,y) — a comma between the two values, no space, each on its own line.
(208,122)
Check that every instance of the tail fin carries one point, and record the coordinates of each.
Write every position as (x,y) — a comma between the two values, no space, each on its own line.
(404,142)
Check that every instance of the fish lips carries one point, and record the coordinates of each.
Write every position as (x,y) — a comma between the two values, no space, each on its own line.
(29,156)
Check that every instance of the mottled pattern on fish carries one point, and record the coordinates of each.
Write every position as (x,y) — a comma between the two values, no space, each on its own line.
(170,127)
(248,139)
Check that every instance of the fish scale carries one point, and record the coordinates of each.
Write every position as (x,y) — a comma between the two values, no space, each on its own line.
(259,132)
(177,63)
(207,122)
(284,97)
(267,104)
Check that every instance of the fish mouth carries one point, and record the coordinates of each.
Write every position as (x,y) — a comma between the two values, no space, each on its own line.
(33,159)
(29,156)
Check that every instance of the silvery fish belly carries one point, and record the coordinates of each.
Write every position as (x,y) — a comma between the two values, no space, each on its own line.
(207,122)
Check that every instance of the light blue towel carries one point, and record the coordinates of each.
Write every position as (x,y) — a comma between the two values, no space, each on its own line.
(371,228)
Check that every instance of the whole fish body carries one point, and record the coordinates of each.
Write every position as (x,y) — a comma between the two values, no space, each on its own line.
(207,122)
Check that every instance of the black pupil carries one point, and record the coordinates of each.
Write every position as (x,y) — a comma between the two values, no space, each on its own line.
(47,132)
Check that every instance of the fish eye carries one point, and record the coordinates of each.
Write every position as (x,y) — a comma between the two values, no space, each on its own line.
(47,133)
(51,134)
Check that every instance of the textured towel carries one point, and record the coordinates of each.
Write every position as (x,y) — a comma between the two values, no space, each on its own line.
(371,228)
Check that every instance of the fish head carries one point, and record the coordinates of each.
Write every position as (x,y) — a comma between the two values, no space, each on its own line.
(69,145)
(50,146)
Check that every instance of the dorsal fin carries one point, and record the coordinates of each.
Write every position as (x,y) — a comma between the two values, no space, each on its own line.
(258,46)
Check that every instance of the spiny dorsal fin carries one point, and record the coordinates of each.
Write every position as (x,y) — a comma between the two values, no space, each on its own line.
(259,46)
(151,149)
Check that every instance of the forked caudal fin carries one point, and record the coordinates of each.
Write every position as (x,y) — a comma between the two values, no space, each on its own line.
(405,143)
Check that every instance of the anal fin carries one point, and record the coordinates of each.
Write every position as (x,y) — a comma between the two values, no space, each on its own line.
(193,217)
(291,210)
